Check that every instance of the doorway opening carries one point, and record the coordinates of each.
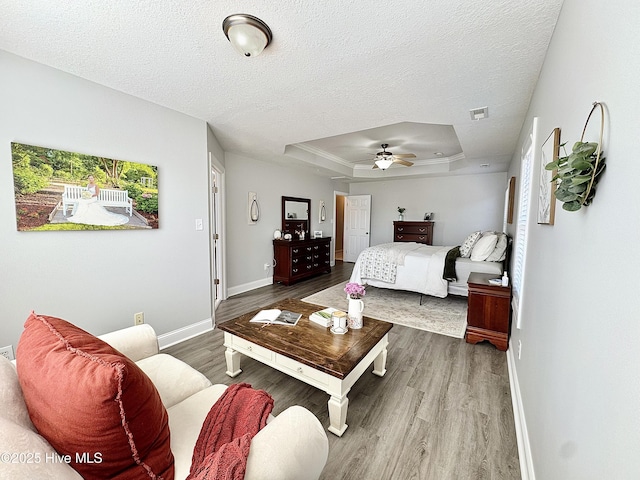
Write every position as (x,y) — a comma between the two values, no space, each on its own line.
(339,226)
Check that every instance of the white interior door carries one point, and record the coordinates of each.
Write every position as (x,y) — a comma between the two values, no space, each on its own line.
(215,231)
(357,222)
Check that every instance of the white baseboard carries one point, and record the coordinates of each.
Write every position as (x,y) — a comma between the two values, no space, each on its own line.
(185,333)
(249,286)
(522,435)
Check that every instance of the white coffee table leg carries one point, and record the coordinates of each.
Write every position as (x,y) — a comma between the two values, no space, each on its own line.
(233,362)
(338,414)
(380,362)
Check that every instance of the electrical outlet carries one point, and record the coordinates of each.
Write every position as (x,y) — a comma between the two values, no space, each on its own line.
(138,318)
(7,352)
(266,266)
(519,349)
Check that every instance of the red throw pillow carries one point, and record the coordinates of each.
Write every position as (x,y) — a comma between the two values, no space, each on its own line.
(92,403)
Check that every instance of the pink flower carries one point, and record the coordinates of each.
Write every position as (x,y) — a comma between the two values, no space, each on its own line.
(354,290)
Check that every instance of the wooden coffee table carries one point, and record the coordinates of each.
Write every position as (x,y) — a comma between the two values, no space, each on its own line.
(310,352)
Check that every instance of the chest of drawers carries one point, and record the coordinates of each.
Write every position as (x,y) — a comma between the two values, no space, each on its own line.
(300,259)
(421,232)
(489,311)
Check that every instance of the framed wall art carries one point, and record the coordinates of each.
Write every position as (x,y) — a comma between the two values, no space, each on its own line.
(60,190)
(511,196)
(546,197)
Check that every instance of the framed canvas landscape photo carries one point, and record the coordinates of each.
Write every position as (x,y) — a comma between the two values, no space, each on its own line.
(60,190)
(546,197)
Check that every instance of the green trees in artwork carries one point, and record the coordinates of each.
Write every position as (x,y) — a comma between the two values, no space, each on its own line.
(34,168)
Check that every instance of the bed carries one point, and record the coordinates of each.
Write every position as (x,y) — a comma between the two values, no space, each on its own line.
(416,267)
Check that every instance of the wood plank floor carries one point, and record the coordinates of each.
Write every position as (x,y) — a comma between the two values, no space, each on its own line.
(442,411)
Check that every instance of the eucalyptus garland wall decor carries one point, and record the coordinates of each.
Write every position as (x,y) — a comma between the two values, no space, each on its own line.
(578,173)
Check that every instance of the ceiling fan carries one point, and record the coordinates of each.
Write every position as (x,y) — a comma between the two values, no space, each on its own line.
(384,159)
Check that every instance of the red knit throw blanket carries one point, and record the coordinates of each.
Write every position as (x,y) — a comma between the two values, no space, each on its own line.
(223,445)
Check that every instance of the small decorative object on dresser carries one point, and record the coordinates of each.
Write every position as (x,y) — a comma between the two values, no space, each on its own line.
(401,213)
(421,232)
(489,310)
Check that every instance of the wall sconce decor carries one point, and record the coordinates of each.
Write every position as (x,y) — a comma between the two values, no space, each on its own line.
(323,211)
(253,208)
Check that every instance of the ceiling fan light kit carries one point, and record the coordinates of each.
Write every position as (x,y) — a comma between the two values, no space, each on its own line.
(385,159)
(248,34)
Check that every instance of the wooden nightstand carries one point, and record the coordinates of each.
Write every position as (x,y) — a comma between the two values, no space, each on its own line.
(489,311)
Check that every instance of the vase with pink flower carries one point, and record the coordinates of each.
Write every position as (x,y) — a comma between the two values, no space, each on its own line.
(355,292)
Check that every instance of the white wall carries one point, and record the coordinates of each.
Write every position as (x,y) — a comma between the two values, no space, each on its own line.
(460,204)
(98,280)
(249,247)
(580,367)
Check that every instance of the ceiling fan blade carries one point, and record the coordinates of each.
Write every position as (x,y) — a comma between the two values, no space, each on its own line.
(406,163)
(404,155)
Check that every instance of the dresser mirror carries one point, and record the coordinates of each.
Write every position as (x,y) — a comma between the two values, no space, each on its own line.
(295,216)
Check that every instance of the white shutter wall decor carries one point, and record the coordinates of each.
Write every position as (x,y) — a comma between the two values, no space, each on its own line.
(522,223)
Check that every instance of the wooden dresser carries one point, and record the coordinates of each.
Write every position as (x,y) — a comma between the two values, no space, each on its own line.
(300,259)
(489,311)
(421,232)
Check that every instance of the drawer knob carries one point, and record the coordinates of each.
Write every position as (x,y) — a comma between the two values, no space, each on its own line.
(299,370)
(400,236)
(250,348)
(295,250)
(422,229)
(400,229)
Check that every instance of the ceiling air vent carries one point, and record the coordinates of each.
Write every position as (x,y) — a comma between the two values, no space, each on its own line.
(479,113)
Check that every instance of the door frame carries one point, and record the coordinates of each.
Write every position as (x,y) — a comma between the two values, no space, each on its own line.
(336,193)
(217,253)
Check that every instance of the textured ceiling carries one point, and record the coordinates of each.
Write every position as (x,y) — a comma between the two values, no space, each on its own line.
(334,67)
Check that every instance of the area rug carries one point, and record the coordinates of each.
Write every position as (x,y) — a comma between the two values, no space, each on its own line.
(445,316)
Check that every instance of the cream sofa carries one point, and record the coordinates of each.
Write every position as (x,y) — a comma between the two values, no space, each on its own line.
(292,445)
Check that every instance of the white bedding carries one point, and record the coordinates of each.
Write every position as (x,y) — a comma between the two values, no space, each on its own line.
(422,272)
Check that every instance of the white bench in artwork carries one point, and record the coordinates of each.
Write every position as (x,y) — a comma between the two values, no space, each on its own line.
(107,198)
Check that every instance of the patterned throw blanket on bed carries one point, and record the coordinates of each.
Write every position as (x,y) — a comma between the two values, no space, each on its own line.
(381,262)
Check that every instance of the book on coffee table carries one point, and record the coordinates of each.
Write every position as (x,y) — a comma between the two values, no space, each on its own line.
(277,317)
(323,317)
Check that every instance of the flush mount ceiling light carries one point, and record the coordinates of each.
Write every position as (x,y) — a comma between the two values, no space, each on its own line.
(248,35)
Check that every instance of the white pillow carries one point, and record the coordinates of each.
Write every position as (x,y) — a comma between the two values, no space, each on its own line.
(484,247)
(500,252)
(467,245)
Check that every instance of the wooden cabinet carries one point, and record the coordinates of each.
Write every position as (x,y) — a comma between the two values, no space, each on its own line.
(489,311)
(300,259)
(421,232)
